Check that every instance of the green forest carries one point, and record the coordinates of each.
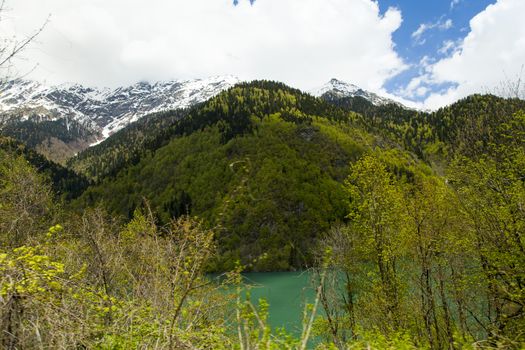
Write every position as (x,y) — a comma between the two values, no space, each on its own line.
(413,224)
(56,138)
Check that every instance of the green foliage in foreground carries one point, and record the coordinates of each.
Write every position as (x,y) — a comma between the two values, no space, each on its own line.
(94,283)
(438,262)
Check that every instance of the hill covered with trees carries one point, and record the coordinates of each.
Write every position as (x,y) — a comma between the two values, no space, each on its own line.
(262,161)
(266,163)
(66,183)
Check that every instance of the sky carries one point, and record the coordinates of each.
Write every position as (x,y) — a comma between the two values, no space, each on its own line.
(426,54)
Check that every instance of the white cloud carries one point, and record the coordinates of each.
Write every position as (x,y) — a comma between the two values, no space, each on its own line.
(441,24)
(445,25)
(423,27)
(415,89)
(421,91)
(301,42)
(448,46)
(493,51)
(454,3)
(425,62)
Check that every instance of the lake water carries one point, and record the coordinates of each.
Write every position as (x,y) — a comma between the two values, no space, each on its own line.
(286,292)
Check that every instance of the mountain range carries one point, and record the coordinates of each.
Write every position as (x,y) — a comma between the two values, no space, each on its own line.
(76,117)
(61,120)
(337,89)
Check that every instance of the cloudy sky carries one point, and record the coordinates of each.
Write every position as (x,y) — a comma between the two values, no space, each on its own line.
(428,52)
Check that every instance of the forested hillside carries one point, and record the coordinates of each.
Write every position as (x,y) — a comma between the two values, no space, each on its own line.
(126,147)
(58,139)
(65,182)
(262,161)
(467,127)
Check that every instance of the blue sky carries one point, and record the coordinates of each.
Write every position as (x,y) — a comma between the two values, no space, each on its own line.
(447,22)
(425,53)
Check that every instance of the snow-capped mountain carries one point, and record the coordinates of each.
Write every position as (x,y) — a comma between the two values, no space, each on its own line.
(339,89)
(103,111)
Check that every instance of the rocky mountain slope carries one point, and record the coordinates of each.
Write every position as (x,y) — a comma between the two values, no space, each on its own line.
(337,89)
(98,112)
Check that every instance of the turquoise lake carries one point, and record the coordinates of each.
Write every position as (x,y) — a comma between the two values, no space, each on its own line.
(286,292)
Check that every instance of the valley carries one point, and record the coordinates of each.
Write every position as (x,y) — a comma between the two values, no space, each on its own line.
(262,175)
(389,209)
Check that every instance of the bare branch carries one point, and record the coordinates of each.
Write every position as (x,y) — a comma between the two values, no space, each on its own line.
(20,46)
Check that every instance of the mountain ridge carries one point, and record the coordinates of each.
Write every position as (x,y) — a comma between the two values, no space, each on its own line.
(42,115)
(337,89)
(104,111)
(108,110)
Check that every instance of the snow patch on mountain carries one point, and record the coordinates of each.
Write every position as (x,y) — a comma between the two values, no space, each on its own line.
(105,111)
(340,89)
